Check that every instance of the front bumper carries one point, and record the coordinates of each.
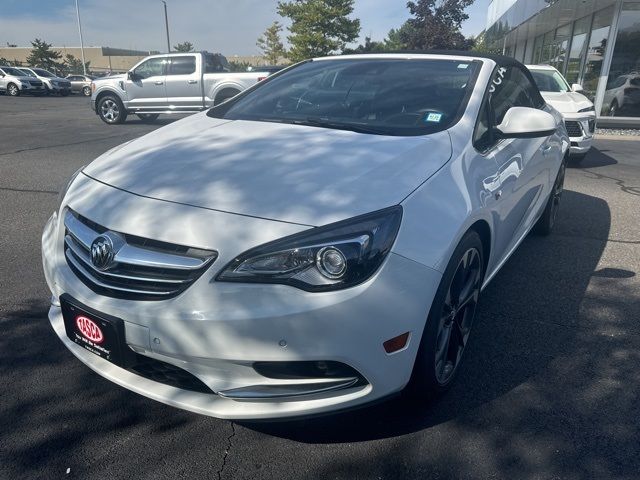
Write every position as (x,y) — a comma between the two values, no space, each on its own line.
(581,129)
(217,330)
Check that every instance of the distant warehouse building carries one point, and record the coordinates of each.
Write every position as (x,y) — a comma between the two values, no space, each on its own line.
(102,58)
(595,43)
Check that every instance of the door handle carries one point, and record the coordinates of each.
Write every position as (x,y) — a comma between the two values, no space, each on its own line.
(547,150)
(159,82)
(192,81)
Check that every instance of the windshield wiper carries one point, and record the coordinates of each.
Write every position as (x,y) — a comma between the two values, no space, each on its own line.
(353,127)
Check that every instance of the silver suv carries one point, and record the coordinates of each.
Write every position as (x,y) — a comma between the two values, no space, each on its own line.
(52,83)
(14,82)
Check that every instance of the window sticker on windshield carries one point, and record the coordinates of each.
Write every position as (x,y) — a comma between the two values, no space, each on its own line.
(433,117)
(463,65)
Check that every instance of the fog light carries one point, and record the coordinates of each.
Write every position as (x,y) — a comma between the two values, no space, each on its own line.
(396,343)
(331,263)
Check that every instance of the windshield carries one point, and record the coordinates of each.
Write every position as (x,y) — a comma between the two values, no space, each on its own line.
(43,73)
(550,81)
(401,97)
(13,71)
(26,72)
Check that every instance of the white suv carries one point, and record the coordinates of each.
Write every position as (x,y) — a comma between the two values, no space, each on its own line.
(52,83)
(576,109)
(14,82)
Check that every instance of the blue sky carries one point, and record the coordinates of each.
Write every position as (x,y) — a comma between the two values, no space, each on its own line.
(228,26)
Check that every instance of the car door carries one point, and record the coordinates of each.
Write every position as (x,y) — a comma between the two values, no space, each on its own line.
(521,184)
(3,80)
(75,82)
(145,85)
(184,90)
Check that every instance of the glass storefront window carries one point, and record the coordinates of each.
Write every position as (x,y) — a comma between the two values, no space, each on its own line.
(578,52)
(548,47)
(596,50)
(537,50)
(622,95)
(561,44)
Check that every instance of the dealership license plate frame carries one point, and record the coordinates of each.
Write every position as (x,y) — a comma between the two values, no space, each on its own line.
(113,348)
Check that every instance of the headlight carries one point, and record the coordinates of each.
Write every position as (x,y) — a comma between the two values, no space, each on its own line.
(588,109)
(64,191)
(332,257)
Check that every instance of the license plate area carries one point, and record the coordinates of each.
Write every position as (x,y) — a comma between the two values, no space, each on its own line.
(101,334)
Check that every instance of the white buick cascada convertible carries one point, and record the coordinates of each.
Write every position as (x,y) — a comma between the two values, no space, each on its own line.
(317,242)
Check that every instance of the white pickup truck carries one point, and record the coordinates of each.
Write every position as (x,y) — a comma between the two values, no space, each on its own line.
(169,83)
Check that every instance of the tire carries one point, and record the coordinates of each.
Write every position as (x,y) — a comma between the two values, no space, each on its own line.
(450,319)
(86,91)
(225,95)
(613,109)
(64,93)
(111,111)
(547,221)
(13,90)
(148,117)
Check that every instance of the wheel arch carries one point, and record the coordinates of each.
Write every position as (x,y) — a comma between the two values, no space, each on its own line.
(103,93)
(482,228)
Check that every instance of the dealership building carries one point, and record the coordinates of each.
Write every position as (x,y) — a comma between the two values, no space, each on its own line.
(595,43)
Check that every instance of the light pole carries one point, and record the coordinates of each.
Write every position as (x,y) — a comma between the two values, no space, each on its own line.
(84,67)
(166,24)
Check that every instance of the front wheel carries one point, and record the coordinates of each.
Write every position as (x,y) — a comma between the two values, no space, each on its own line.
(148,117)
(111,110)
(547,221)
(86,91)
(450,319)
(65,93)
(13,90)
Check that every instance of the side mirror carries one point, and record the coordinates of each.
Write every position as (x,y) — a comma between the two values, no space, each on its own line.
(525,122)
(131,75)
(576,87)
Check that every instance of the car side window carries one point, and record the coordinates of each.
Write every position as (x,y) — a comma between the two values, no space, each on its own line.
(151,68)
(182,66)
(512,88)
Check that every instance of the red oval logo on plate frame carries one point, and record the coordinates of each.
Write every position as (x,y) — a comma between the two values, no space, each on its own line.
(89,329)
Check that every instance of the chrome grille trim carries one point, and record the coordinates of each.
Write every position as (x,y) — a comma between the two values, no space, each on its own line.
(142,269)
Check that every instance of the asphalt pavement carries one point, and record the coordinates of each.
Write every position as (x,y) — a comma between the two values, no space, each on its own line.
(550,386)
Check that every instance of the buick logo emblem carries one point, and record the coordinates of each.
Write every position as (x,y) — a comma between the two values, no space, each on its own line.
(102,252)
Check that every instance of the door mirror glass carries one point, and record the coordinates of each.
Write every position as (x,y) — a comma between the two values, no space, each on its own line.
(576,87)
(525,122)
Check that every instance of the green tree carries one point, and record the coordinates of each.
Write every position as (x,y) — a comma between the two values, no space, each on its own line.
(436,25)
(4,61)
(369,46)
(271,45)
(319,27)
(42,56)
(73,64)
(184,47)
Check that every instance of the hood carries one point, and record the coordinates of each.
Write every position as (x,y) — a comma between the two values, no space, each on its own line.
(298,174)
(567,102)
(119,76)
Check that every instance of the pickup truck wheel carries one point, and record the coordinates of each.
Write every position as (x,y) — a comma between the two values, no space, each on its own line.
(148,117)
(111,110)
(225,95)
(13,90)
(86,91)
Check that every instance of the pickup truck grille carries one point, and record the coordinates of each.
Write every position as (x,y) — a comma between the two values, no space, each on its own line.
(139,268)
(573,129)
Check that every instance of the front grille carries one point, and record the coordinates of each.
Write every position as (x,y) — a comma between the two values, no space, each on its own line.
(35,83)
(167,374)
(140,268)
(573,129)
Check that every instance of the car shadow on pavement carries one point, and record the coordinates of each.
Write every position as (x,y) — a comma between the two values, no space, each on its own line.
(527,320)
(595,158)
